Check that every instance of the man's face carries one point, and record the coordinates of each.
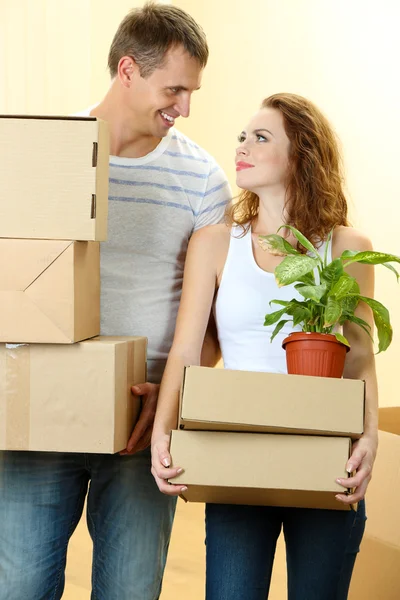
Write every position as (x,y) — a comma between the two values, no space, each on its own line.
(165,95)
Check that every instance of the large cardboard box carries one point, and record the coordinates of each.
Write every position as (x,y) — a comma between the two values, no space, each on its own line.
(53,177)
(377,569)
(73,398)
(228,400)
(260,468)
(49,291)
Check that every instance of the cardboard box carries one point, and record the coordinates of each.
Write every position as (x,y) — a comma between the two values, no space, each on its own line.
(389,419)
(377,574)
(260,468)
(227,400)
(49,291)
(53,177)
(70,398)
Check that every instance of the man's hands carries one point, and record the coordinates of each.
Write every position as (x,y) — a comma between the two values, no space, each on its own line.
(141,434)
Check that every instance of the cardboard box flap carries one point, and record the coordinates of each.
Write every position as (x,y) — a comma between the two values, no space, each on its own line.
(52,291)
(22,262)
(55,301)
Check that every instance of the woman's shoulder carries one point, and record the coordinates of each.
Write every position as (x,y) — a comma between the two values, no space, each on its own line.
(215,235)
(349,238)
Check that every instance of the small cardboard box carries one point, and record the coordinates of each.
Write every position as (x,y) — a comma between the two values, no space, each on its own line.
(389,419)
(377,574)
(74,398)
(260,468)
(228,400)
(53,177)
(49,291)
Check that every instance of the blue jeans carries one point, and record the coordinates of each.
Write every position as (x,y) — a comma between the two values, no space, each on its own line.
(41,501)
(321,548)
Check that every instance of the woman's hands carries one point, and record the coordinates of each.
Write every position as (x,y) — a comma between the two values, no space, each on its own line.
(361,461)
(161,466)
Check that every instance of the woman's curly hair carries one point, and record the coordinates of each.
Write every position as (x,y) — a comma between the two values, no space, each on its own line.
(315,201)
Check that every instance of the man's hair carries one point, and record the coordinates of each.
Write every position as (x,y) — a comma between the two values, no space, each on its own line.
(147,33)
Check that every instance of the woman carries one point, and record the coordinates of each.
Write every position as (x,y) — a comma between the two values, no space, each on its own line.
(288,166)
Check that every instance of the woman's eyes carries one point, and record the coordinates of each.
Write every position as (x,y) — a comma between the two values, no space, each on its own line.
(259,138)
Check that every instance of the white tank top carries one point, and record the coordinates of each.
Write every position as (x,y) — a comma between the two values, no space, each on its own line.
(241,304)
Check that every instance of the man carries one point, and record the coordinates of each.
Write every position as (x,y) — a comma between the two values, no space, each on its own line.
(162,188)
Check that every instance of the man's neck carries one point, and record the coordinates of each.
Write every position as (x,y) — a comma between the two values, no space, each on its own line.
(126,139)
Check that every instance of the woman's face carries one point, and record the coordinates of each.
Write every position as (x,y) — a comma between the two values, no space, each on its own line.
(262,158)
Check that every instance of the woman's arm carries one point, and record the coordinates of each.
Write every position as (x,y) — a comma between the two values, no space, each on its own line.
(199,284)
(360,364)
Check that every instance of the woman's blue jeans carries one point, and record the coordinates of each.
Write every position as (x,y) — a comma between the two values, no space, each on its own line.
(321,548)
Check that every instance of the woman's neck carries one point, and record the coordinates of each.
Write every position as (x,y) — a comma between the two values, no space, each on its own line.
(272,213)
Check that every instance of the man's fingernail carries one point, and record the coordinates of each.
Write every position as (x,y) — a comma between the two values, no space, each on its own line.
(183,489)
(338,498)
(350,469)
(165,462)
(338,481)
(180,470)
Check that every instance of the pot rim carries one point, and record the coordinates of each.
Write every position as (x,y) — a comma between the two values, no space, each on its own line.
(302,335)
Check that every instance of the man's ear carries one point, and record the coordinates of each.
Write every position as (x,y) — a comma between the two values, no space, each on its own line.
(127,69)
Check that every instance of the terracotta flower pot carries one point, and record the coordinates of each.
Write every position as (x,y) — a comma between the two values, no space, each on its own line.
(317,354)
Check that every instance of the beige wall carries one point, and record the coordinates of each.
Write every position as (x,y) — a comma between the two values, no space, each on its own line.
(343,55)
(53,53)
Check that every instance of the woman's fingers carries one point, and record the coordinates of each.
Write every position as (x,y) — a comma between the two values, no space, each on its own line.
(168,488)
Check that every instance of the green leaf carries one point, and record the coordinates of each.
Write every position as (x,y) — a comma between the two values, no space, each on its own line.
(272,318)
(341,338)
(357,321)
(280,302)
(308,278)
(332,272)
(368,257)
(333,311)
(301,314)
(391,268)
(382,322)
(278,328)
(314,292)
(303,240)
(343,286)
(293,267)
(278,243)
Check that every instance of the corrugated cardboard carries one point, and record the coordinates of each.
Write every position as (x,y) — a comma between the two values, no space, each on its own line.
(389,419)
(73,398)
(227,400)
(53,177)
(49,291)
(377,570)
(260,468)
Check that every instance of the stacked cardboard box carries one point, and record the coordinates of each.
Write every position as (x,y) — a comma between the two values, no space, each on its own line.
(62,388)
(265,438)
(376,574)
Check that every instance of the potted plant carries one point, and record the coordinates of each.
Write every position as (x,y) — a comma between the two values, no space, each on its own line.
(330,297)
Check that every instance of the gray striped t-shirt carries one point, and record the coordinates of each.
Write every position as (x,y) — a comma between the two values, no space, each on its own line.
(155,204)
